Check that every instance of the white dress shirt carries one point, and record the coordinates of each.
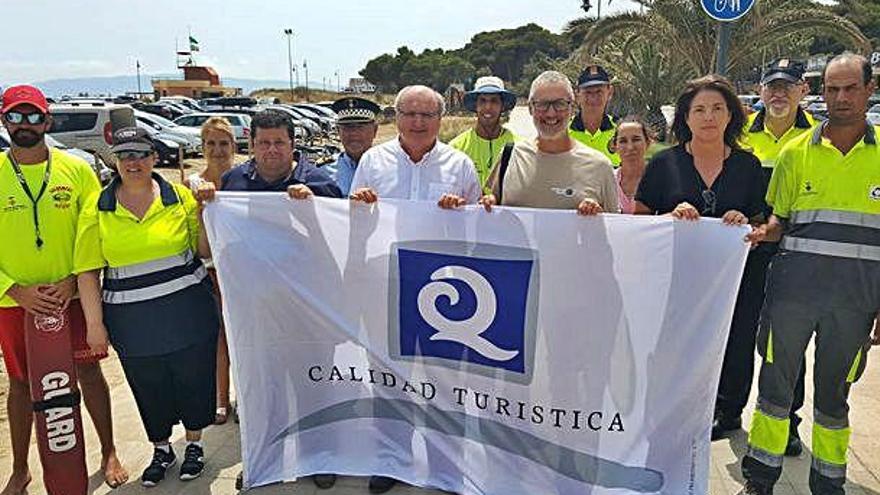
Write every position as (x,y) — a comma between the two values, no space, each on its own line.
(389,171)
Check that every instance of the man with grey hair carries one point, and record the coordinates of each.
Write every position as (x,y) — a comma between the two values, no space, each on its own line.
(416,165)
(553,171)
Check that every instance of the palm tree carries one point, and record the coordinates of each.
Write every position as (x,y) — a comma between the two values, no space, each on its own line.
(680,29)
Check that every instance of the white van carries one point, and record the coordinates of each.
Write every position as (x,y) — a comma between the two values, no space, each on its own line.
(90,125)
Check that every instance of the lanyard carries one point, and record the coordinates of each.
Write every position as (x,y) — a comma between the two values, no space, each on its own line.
(30,195)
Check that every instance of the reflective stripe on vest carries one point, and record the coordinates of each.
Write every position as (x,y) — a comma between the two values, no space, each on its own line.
(185,269)
(831,248)
(839,217)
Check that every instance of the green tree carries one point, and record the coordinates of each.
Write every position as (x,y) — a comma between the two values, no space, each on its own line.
(505,52)
(680,30)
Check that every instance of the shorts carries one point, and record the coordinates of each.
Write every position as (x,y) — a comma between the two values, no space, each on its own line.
(13,346)
(175,387)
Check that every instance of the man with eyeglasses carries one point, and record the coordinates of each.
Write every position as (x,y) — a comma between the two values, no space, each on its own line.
(766,132)
(485,140)
(356,121)
(274,166)
(554,170)
(592,126)
(42,192)
(416,165)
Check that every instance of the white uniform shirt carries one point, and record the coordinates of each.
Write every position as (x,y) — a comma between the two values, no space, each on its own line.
(389,171)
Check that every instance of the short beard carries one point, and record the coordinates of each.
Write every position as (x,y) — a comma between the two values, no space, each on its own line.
(776,115)
(26,138)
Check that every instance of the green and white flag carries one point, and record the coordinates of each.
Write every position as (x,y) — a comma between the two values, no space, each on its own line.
(193,44)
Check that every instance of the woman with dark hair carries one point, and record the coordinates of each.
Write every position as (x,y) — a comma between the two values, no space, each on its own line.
(630,142)
(707,174)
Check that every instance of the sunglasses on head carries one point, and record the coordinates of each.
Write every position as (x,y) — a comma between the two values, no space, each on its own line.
(35,118)
(132,155)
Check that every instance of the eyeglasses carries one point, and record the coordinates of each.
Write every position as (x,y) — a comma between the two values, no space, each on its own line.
(418,115)
(559,105)
(132,155)
(35,118)
(710,200)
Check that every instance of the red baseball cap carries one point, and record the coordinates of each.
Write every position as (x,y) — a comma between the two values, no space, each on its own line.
(24,95)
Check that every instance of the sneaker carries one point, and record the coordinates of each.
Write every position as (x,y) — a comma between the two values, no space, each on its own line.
(752,488)
(723,425)
(155,472)
(381,484)
(324,481)
(193,463)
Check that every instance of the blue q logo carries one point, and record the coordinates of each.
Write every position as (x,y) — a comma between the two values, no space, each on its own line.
(464,305)
(726,10)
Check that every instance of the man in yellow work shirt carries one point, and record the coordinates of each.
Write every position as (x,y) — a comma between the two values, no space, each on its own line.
(592,126)
(484,142)
(825,194)
(41,193)
(766,132)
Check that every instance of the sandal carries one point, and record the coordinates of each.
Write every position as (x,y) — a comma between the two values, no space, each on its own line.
(221,416)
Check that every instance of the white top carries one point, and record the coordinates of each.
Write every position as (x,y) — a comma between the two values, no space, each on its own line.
(389,171)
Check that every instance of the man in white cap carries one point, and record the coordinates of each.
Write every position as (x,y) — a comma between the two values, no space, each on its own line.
(485,140)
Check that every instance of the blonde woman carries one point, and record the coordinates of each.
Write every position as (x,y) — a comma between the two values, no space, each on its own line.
(218,142)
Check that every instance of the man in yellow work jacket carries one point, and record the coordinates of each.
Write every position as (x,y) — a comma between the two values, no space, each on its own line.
(592,126)
(825,194)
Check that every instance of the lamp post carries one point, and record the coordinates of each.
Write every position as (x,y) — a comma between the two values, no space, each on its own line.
(306,69)
(289,34)
(338,88)
(138,65)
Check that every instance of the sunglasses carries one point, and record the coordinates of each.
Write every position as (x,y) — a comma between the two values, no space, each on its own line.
(710,200)
(132,155)
(14,117)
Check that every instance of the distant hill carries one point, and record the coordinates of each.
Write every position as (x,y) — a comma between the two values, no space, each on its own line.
(115,85)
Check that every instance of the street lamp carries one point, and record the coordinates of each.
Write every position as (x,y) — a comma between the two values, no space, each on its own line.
(338,89)
(289,34)
(306,68)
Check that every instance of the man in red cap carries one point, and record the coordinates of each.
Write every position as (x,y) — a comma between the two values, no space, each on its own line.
(42,190)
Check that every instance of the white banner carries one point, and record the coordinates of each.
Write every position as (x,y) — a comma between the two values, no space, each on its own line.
(518,352)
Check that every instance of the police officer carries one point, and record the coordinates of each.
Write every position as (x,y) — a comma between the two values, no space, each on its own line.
(766,132)
(356,122)
(825,194)
(592,126)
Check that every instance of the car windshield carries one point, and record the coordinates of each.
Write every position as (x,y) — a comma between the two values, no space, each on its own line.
(161,120)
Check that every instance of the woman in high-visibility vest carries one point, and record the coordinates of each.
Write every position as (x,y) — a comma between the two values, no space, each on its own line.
(155,303)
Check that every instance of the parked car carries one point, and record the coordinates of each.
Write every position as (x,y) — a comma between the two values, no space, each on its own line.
(312,125)
(185,101)
(241,125)
(873,118)
(874,109)
(89,126)
(104,173)
(327,124)
(165,109)
(321,109)
(192,140)
(819,110)
(169,148)
(306,130)
(221,103)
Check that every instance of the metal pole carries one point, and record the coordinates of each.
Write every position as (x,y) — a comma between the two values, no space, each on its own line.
(139,77)
(306,67)
(724,30)
(338,88)
(289,33)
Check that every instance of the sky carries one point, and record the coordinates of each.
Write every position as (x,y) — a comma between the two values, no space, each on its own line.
(53,39)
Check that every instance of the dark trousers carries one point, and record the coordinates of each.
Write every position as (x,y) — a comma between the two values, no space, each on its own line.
(175,387)
(738,369)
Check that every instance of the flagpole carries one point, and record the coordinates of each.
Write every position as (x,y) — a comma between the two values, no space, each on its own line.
(138,62)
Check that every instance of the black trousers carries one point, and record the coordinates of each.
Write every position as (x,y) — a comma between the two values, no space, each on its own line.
(738,369)
(175,387)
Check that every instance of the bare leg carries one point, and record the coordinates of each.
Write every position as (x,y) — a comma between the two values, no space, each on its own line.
(21,420)
(96,396)
(222,373)
(193,436)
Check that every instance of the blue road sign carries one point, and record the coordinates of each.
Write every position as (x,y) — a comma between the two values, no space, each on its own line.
(726,10)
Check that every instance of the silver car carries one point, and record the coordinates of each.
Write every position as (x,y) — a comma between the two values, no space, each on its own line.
(241,125)
(191,138)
